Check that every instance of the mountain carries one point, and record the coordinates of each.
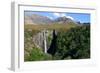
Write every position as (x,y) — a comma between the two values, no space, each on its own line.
(64,20)
(37,19)
(28,20)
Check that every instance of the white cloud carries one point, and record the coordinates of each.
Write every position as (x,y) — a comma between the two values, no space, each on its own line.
(62,15)
(59,14)
(56,14)
(70,17)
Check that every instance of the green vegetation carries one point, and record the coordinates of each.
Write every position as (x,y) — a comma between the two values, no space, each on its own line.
(36,54)
(73,42)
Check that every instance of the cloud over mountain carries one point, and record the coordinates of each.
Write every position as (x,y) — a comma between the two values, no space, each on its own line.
(62,15)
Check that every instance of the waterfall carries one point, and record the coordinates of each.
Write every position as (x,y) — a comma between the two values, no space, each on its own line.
(45,42)
(41,40)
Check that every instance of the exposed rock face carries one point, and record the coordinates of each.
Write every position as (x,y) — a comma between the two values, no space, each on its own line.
(40,39)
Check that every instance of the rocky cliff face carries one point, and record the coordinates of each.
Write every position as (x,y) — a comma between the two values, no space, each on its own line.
(43,39)
(38,39)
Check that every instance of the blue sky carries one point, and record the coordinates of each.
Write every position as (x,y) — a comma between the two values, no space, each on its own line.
(82,17)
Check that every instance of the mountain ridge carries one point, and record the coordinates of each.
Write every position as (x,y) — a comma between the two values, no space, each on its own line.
(39,19)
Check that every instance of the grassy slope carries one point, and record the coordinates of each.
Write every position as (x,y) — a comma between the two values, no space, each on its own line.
(50,26)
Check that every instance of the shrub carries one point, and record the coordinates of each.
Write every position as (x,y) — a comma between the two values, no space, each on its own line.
(74,44)
(36,54)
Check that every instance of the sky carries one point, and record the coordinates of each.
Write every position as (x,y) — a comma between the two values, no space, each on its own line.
(78,17)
